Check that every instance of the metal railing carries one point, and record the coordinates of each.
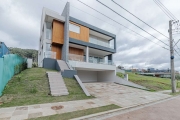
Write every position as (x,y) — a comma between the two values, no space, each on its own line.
(50,54)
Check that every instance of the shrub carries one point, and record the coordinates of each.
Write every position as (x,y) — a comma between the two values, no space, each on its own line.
(20,67)
(34,64)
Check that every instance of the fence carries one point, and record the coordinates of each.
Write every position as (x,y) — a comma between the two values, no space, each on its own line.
(7,68)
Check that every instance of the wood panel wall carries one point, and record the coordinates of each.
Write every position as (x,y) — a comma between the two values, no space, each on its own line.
(76,51)
(58,32)
(58,49)
(84,33)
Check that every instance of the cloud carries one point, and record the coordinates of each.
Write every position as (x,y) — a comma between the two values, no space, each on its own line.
(20,27)
(8,39)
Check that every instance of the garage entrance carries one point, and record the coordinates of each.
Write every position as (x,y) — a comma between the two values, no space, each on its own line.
(96,76)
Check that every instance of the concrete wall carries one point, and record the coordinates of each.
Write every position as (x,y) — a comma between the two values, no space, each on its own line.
(49,63)
(92,66)
(87,76)
(29,63)
(105,76)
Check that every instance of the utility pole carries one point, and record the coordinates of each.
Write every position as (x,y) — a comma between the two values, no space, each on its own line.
(173,81)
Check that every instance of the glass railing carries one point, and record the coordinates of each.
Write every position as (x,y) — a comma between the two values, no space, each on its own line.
(50,54)
(94,60)
(74,57)
(101,43)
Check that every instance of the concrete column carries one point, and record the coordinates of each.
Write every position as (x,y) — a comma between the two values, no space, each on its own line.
(65,48)
(87,54)
(126,77)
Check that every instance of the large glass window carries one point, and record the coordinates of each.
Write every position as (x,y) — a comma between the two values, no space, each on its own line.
(74,28)
(98,41)
(48,31)
(48,47)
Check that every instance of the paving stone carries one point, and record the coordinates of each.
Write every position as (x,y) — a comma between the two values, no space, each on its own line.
(20,112)
(37,110)
(19,117)
(7,110)
(34,115)
(33,107)
(5,115)
(6,118)
(49,112)
(22,108)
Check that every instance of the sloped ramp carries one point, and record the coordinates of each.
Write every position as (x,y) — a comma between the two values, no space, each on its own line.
(82,85)
(121,81)
(57,85)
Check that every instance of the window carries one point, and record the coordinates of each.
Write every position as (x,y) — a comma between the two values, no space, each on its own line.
(48,47)
(48,30)
(74,28)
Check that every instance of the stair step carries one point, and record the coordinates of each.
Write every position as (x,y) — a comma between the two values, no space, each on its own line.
(57,85)
(58,91)
(56,95)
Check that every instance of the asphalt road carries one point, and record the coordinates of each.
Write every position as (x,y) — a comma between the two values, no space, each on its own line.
(168,110)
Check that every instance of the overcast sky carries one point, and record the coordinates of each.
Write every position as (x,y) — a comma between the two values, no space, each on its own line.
(20,27)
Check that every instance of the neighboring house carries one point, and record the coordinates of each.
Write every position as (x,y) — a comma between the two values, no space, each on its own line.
(3,49)
(152,70)
(162,75)
(87,48)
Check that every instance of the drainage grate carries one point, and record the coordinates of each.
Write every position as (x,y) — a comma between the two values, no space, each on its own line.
(57,107)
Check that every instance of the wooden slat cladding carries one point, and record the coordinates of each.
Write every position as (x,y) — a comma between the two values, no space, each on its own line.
(84,33)
(58,32)
(76,54)
(58,49)
(76,51)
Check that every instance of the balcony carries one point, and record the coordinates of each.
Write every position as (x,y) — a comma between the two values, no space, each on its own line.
(101,39)
(75,57)
(50,54)
(96,60)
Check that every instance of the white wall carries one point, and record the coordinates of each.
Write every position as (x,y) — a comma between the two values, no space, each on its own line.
(106,76)
(87,76)
(91,66)
(29,63)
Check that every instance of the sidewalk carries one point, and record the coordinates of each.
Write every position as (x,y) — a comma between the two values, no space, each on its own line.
(168,110)
(40,110)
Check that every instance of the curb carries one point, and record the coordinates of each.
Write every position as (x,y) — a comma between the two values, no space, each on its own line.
(110,112)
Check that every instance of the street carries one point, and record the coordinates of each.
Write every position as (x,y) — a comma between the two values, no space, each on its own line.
(168,110)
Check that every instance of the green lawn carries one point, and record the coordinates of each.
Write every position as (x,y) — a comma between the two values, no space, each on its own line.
(76,114)
(31,87)
(152,83)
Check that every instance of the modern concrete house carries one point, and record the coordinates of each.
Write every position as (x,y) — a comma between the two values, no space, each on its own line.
(76,48)
(88,49)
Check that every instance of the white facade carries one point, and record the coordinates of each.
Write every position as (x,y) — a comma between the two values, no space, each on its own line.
(46,34)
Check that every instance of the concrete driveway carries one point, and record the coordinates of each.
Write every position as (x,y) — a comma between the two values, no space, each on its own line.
(122,95)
